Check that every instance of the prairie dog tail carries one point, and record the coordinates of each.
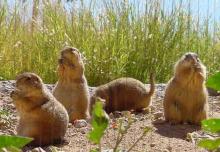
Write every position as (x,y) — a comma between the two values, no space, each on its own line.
(152,84)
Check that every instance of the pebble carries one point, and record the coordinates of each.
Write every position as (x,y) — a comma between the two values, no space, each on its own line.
(111,116)
(80,123)
(142,119)
(117,114)
(69,125)
(152,145)
(51,149)
(158,115)
(169,148)
(12,132)
(38,149)
(83,132)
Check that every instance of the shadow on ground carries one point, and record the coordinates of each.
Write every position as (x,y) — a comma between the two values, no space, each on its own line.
(175,131)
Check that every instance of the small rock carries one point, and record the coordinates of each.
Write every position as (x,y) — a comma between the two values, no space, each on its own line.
(158,115)
(169,148)
(117,114)
(38,149)
(69,125)
(111,116)
(51,149)
(83,132)
(152,145)
(142,119)
(12,132)
(80,123)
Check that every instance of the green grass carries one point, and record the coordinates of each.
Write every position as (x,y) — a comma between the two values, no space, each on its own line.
(118,40)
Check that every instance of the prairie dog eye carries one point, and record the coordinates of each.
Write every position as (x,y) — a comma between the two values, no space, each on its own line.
(197,59)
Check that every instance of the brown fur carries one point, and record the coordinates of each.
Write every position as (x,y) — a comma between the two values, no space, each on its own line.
(186,95)
(72,89)
(124,94)
(42,117)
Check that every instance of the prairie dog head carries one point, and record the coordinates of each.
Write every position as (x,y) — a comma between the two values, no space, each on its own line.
(190,65)
(28,85)
(70,63)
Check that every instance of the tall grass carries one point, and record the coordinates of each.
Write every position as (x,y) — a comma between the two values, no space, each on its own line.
(117,38)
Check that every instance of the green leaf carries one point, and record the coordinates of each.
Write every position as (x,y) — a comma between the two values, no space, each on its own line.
(99,123)
(210,144)
(211,125)
(214,82)
(13,141)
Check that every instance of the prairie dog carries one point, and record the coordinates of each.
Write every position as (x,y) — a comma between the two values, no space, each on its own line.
(72,89)
(42,117)
(186,95)
(124,94)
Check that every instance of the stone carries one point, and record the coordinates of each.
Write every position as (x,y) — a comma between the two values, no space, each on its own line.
(80,123)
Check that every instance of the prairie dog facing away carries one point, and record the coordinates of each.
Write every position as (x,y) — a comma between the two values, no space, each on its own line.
(124,94)
(42,117)
(72,89)
(186,95)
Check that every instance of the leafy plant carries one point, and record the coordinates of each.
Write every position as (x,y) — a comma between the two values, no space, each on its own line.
(212,125)
(13,143)
(122,131)
(100,123)
(210,144)
(214,82)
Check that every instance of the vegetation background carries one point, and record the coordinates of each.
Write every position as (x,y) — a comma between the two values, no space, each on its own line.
(117,37)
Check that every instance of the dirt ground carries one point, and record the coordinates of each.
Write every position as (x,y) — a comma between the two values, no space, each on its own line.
(163,138)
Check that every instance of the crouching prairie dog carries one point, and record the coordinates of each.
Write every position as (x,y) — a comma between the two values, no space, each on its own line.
(186,95)
(42,117)
(72,89)
(124,94)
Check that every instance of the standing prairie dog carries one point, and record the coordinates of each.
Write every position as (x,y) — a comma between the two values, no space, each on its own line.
(124,94)
(72,89)
(42,117)
(186,95)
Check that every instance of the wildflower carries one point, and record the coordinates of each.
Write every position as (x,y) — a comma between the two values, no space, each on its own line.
(17,44)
